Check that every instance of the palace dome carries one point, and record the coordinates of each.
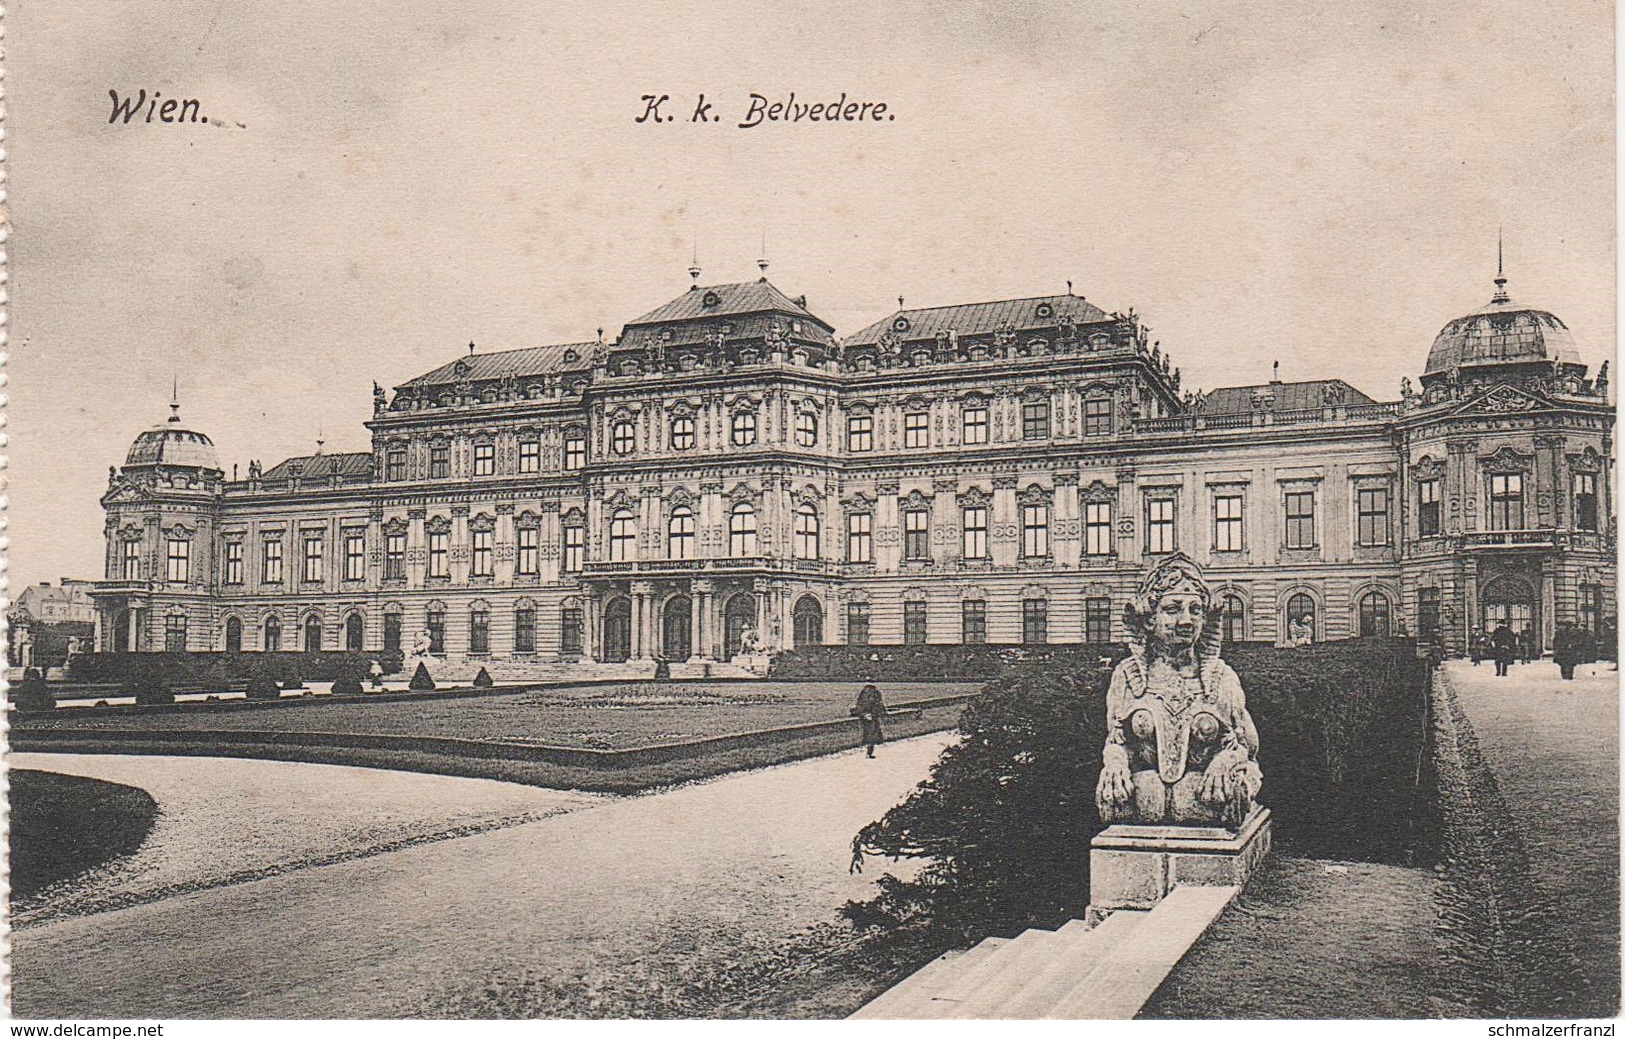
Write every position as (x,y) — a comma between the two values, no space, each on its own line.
(1503,332)
(174,445)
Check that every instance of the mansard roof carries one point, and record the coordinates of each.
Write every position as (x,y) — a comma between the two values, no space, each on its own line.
(1289,396)
(745,297)
(317,467)
(530,360)
(979,318)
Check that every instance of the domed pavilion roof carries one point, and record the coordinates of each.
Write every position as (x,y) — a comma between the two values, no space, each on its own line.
(172,444)
(1503,332)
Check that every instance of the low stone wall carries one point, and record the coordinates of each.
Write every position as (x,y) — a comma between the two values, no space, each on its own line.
(1502,949)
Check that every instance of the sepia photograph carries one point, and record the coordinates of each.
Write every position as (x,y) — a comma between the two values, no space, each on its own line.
(996,511)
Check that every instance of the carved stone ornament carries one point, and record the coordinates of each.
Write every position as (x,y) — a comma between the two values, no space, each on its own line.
(1504,399)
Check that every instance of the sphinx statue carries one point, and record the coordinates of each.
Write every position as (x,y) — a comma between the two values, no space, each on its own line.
(1181,748)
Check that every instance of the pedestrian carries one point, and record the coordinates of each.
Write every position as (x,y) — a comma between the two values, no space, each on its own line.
(1475,646)
(1566,649)
(869,709)
(1503,647)
(1526,645)
(375,671)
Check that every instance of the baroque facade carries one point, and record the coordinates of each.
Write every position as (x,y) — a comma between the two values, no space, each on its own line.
(996,472)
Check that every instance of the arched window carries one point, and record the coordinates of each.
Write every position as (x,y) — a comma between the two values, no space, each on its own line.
(1300,619)
(1375,614)
(623,537)
(806,530)
(273,634)
(234,635)
(1233,618)
(622,437)
(353,633)
(680,533)
(744,428)
(313,634)
(742,530)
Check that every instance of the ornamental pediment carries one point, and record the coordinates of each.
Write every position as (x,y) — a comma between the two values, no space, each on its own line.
(1501,400)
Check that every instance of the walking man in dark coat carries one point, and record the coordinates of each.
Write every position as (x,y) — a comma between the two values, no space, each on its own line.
(869,709)
(1567,649)
(1504,647)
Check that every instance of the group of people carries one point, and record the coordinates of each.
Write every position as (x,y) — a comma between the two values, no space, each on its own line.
(1571,646)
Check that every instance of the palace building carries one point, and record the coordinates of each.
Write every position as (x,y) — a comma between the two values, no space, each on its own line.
(992,472)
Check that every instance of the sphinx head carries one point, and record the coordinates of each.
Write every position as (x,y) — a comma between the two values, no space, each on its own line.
(1170,611)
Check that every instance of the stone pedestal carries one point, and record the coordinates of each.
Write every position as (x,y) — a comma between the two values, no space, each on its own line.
(1133,867)
(756,663)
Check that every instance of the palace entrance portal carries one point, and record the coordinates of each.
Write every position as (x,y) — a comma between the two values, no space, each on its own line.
(617,630)
(677,628)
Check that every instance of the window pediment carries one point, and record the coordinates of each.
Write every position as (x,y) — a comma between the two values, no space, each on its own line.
(1508,460)
(438,525)
(482,522)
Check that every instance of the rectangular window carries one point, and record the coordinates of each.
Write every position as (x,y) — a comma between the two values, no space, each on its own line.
(437,633)
(1506,501)
(524,629)
(480,557)
(1591,607)
(355,555)
(857,624)
(973,624)
(529,550)
(1427,508)
(575,453)
(180,560)
(439,461)
(479,632)
(1159,525)
(1227,523)
(313,560)
(1585,501)
(916,534)
(485,459)
(1300,519)
(175,633)
(271,562)
(1035,420)
(1035,531)
(530,456)
(575,547)
(130,561)
(1427,611)
(860,433)
(392,633)
(914,623)
(974,525)
(234,562)
(1097,417)
(394,557)
(860,540)
(1097,620)
(1097,528)
(1034,621)
(1372,508)
(395,464)
(974,426)
(440,554)
(916,429)
(570,631)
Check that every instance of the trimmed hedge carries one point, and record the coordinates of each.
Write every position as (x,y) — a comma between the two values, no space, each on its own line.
(929,663)
(1006,817)
(220,669)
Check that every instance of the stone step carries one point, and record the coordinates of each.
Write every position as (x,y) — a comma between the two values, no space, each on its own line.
(906,999)
(983,991)
(1033,997)
(1129,971)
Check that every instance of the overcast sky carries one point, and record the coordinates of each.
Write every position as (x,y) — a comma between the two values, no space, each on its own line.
(1315,183)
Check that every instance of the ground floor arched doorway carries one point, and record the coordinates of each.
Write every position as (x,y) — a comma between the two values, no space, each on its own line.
(617,630)
(677,628)
(739,615)
(809,622)
(234,635)
(1512,600)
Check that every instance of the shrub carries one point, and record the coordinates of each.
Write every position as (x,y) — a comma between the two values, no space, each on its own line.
(32,693)
(347,684)
(391,661)
(421,682)
(1007,814)
(149,684)
(263,686)
(483,680)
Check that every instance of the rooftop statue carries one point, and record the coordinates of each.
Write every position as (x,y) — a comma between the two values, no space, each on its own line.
(1181,748)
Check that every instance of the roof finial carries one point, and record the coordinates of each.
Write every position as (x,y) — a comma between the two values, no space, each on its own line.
(1275,372)
(1069,286)
(694,267)
(899,303)
(761,264)
(471,348)
(319,438)
(175,399)
(1500,268)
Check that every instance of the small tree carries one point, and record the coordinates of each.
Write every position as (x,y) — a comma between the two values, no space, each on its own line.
(347,682)
(149,684)
(483,680)
(421,682)
(262,685)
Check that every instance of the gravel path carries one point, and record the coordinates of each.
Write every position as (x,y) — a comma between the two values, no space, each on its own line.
(400,933)
(224,820)
(1553,747)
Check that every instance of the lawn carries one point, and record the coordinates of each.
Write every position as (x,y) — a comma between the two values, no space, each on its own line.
(62,826)
(599,717)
